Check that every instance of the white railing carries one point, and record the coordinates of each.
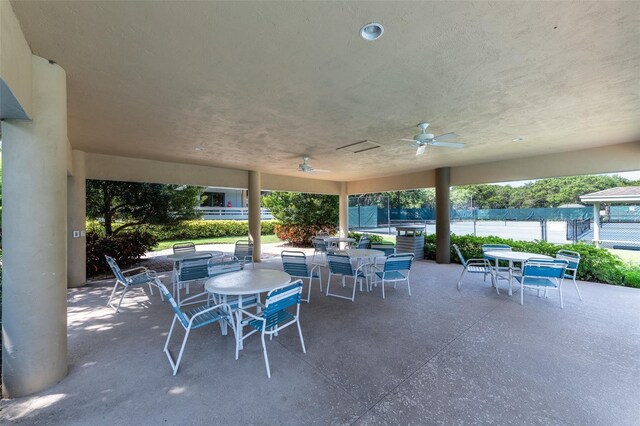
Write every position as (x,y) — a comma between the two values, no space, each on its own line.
(231,213)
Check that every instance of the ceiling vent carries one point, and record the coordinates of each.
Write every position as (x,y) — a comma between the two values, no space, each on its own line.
(359,147)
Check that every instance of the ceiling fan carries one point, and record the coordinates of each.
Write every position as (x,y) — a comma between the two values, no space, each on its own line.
(305,167)
(424,139)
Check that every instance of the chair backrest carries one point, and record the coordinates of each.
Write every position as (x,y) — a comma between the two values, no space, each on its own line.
(495,247)
(364,243)
(194,268)
(459,253)
(340,264)
(294,263)
(187,247)
(387,248)
(243,249)
(573,257)
(116,269)
(399,262)
(544,268)
(282,298)
(320,245)
(169,298)
(219,266)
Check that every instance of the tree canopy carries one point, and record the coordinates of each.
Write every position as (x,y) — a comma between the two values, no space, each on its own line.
(132,204)
(302,209)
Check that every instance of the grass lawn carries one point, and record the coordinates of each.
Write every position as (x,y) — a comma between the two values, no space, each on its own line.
(163,245)
(631,256)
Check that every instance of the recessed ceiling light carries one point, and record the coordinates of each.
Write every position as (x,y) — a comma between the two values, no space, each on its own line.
(518,139)
(371,31)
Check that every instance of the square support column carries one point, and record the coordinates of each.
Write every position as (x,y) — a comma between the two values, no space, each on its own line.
(76,222)
(254,214)
(596,224)
(443,229)
(344,210)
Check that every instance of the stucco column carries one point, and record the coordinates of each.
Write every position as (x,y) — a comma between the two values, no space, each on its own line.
(596,224)
(443,231)
(76,222)
(34,227)
(254,214)
(344,210)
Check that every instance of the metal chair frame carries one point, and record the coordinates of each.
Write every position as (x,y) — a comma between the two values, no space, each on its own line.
(542,274)
(146,276)
(573,257)
(396,269)
(186,247)
(341,265)
(243,250)
(294,263)
(191,270)
(474,266)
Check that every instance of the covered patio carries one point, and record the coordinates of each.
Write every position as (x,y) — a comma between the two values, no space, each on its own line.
(438,357)
(235,95)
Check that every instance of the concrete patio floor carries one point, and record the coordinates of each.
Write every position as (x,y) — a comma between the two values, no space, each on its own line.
(438,357)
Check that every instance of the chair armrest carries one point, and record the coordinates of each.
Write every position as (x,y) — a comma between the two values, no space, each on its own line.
(144,270)
(249,314)
(479,262)
(226,307)
(194,297)
(314,267)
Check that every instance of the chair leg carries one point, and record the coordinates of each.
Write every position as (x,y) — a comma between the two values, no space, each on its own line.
(328,283)
(521,294)
(575,284)
(309,291)
(409,286)
(560,292)
(150,288)
(115,286)
(382,285)
(464,271)
(355,284)
(166,346)
(184,343)
(124,291)
(266,357)
(304,350)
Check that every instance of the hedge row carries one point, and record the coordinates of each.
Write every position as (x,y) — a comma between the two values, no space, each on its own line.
(126,248)
(194,229)
(596,264)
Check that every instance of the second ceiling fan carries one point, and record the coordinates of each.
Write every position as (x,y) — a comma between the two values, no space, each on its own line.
(424,139)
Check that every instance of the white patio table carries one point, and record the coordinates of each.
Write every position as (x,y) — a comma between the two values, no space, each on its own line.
(339,240)
(245,283)
(512,257)
(362,256)
(178,257)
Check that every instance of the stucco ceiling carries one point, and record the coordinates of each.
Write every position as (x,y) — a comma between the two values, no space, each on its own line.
(257,85)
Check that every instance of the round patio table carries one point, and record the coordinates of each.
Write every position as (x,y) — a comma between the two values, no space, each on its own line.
(247,282)
(512,257)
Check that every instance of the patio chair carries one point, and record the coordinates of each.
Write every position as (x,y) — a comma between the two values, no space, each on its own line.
(542,274)
(294,263)
(341,265)
(276,316)
(396,269)
(187,247)
(573,257)
(363,243)
(474,266)
(321,248)
(244,252)
(193,319)
(191,270)
(146,276)
(496,270)
(387,248)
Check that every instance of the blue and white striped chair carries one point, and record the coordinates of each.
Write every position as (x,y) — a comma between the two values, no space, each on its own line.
(186,247)
(244,252)
(191,270)
(276,316)
(496,270)
(573,257)
(341,265)
(542,274)
(363,243)
(474,266)
(193,319)
(387,248)
(396,269)
(320,248)
(294,263)
(146,276)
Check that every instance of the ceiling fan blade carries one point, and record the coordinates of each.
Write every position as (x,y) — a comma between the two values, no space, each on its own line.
(447,144)
(322,171)
(421,149)
(451,135)
(408,140)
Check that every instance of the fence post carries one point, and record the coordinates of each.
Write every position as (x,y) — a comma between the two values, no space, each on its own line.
(543,229)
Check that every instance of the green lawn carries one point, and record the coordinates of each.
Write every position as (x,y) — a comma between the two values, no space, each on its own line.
(163,245)
(631,256)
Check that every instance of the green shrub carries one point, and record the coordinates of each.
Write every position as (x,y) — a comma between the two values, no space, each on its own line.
(596,264)
(194,229)
(301,235)
(126,248)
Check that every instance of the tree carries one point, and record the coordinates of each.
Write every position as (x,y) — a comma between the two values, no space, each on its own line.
(130,204)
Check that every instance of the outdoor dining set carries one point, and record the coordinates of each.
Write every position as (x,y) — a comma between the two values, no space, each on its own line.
(232,290)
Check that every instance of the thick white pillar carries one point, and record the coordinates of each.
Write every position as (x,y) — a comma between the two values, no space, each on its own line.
(596,224)
(76,223)
(344,210)
(443,230)
(254,214)
(34,227)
